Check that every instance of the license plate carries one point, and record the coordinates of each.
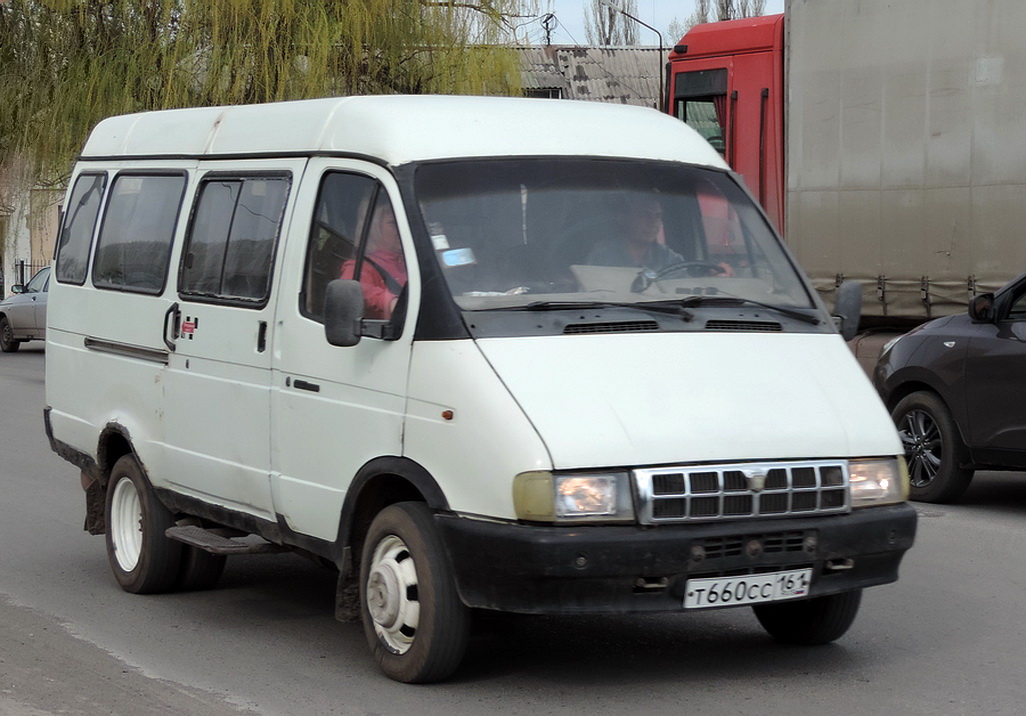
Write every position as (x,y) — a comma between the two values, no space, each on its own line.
(746,589)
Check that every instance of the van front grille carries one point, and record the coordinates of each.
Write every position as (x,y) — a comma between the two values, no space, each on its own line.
(742,490)
(770,543)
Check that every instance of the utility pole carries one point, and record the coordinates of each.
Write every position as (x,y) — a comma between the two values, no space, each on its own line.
(660,35)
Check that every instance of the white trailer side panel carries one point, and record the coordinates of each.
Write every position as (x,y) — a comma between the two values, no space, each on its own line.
(906,148)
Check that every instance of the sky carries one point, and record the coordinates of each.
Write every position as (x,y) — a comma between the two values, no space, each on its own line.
(657,13)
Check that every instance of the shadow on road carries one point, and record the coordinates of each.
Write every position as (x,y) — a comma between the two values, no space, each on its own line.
(1003,491)
(704,651)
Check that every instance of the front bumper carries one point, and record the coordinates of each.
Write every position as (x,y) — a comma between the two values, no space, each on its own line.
(564,570)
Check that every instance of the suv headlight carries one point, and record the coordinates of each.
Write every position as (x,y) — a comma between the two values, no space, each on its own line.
(573,497)
(878,482)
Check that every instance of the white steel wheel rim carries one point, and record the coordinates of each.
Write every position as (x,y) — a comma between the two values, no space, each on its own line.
(126,524)
(392,594)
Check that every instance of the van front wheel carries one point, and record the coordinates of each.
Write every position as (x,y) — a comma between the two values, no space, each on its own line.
(414,621)
(810,622)
(143,559)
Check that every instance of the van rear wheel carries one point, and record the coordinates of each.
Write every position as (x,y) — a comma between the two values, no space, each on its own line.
(143,559)
(810,622)
(414,621)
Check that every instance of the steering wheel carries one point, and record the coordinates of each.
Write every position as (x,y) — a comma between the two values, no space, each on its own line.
(688,268)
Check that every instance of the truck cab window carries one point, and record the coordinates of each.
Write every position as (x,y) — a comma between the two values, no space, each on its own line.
(708,117)
(700,100)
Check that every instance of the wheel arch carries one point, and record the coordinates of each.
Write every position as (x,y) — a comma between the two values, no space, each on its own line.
(114,443)
(902,391)
(907,388)
(378,484)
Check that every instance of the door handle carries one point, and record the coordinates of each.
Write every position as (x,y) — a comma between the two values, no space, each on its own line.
(172,319)
(262,337)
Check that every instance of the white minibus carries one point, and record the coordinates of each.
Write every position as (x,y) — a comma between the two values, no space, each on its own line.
(522,355)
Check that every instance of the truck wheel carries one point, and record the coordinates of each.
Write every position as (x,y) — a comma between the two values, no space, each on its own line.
(199,570)
(933,448)
(810,622)
(7,342)
(415,623)
(144,561)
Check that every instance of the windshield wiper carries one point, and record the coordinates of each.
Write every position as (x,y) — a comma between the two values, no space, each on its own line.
(694,301)
(672,308)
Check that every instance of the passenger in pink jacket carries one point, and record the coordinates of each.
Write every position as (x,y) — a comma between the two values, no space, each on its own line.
(383,271)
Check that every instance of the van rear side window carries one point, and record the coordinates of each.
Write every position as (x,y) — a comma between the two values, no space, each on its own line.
(134,247)
(230,248)
(79,223)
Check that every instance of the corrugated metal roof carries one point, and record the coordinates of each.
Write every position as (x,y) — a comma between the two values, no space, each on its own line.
(539,69)
(622,75)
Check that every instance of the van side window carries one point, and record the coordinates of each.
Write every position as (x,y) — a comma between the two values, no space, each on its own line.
(354,236)
(79,223)
(138,226)
(230,247)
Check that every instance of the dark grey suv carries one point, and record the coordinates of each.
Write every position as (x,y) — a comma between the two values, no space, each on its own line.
(956,388)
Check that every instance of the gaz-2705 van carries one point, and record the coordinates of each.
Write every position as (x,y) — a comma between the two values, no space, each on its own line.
(477,353)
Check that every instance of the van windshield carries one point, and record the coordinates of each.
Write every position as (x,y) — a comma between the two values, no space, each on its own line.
(525,233)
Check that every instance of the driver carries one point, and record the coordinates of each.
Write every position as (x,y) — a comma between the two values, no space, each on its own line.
(643,242)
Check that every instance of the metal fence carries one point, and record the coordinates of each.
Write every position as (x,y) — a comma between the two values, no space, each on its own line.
(22,272)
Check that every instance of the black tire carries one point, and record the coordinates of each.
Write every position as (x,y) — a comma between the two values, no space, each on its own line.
(143,559)
(934,449)
(7,342)
(199,570)
(810,622)
(414,621)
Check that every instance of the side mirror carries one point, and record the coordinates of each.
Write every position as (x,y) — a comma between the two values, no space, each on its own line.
(17,288)
(981,308)
(343,311)
(848,309)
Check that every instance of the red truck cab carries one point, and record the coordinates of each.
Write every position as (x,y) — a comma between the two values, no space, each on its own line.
(727,82)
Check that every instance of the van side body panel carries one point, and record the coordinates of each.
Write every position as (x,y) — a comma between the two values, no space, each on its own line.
(334,409)
(466,428)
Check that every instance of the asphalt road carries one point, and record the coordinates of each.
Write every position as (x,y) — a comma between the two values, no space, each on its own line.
(948,638)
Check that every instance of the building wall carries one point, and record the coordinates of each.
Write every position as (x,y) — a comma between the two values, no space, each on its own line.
(29,219)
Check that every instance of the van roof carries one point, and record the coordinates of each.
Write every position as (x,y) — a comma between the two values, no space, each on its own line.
(396,129)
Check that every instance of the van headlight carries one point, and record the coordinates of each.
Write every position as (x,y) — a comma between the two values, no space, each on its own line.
(878,482)
(573,497)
